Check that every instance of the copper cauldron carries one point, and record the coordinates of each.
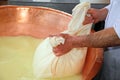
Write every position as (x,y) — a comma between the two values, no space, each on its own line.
(40,22)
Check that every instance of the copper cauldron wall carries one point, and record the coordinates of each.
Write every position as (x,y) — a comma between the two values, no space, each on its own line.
(40,22)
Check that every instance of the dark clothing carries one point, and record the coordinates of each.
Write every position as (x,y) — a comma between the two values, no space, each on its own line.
(111,66)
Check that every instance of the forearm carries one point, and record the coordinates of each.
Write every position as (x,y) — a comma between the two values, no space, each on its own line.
(100,39)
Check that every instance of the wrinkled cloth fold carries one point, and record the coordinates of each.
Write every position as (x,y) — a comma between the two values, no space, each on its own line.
(46,64)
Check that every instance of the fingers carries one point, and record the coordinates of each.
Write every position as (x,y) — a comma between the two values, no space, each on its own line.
(94,18)
(88,19)
(91,11)
(64,35)
(58,51)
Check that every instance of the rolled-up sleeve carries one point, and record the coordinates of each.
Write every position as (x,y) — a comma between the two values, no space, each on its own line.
(117,27)
(108,7)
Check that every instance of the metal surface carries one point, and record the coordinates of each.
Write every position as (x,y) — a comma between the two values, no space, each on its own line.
(53,1)
(63,6)
(40,23)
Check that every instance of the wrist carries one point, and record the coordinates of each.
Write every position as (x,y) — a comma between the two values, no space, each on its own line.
(102,14)
(79,41)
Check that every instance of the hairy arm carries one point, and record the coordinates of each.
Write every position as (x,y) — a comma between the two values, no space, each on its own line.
(100,39)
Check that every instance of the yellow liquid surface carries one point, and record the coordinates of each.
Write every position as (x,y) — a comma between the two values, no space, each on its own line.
(16,57)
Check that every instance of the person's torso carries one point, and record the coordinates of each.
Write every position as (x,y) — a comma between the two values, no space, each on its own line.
(113,16)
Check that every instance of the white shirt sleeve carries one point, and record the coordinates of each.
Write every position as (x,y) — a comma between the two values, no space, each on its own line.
(111,20)
(116,27)
(108,7)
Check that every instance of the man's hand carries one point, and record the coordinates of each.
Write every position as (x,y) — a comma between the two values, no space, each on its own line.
(96,15)
(63,48)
